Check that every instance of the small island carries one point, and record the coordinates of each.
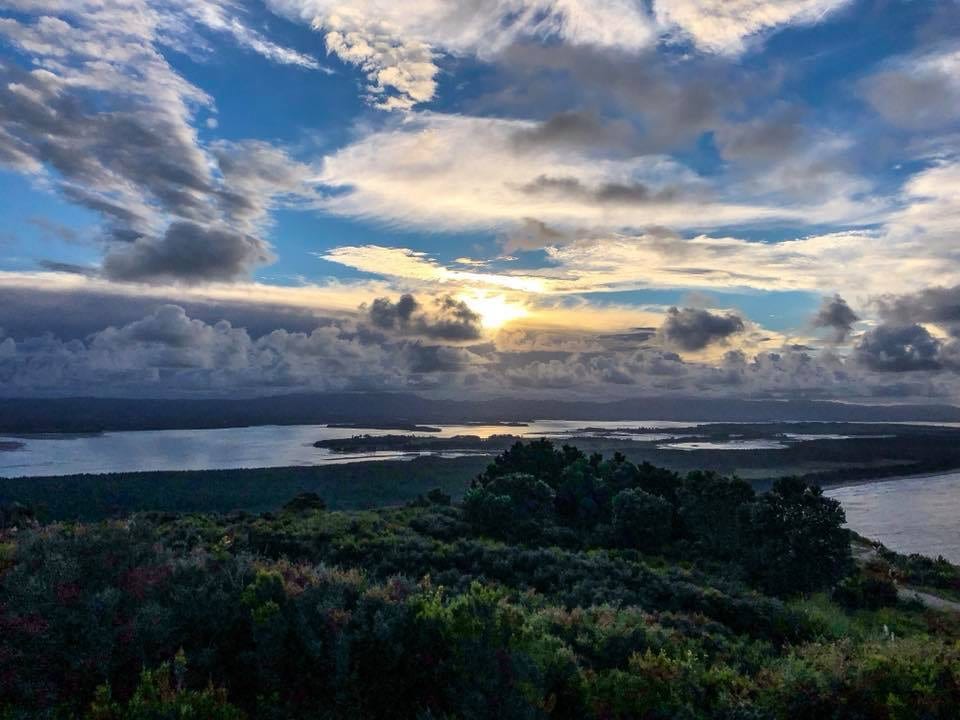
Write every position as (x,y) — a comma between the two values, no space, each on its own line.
(10,446)
(405,427)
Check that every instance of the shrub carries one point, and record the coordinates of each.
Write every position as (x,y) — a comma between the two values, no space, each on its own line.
(159,696)
(865,592)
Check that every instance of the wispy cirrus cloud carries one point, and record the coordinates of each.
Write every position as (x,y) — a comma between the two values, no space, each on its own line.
(727,26)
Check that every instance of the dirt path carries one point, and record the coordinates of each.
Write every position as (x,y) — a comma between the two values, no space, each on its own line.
(865,553)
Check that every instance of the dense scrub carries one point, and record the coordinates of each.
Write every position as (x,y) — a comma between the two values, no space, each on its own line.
(564,587)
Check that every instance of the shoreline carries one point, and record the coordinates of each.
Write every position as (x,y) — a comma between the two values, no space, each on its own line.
(890,478)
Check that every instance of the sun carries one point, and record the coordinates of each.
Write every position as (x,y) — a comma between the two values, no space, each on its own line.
(495,311)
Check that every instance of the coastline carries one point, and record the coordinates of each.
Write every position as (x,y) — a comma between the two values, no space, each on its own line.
(889,478)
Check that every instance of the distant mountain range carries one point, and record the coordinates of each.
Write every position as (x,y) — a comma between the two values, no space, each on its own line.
(33,415)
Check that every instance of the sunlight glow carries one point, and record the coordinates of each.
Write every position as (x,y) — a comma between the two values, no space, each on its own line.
(495,310)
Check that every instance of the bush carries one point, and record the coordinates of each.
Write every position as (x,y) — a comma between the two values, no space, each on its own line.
(865,592)
(159,696)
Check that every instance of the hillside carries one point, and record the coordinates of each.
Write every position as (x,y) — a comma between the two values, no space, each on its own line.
(563,586)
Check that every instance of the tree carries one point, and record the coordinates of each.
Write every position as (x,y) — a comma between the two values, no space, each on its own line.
(712,512)
(641,520)
(797,539)
(509,506)
(539,458)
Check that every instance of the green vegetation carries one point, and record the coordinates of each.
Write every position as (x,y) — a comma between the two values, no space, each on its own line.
(353,486)
(563,586)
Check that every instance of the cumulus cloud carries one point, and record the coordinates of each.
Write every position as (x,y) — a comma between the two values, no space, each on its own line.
(899,348)
(836,315)
(694,329)
(448,319)
(168,352)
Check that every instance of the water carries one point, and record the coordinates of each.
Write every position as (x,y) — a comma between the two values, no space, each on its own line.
(725,445)
(232,448)
(910,515)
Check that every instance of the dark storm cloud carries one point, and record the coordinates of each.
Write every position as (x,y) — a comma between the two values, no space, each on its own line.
(694,329)
(187,252)
(899,348)
(447,319)
(836,315)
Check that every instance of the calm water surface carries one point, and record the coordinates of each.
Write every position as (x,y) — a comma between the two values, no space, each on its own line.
(909,515)
(231,448)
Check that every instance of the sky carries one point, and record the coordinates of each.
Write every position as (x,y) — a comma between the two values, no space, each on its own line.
(477,198)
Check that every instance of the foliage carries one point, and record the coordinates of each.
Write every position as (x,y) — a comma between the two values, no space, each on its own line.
(641,520)
(512,605)
(159,696)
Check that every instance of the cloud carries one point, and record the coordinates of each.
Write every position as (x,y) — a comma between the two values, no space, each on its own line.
(920,91)
(836,315)
(449,319)
(763,139)
(725,26)
(224,16)
(95,111)
(454,172)
(899,348)
(938,306)
(612,193)
(695,329)
(187,252)
(576,129)
(396,44)
(169,353)
(27,311)
(412,265)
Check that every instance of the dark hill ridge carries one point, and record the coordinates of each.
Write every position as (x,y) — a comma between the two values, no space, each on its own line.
(31,415)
